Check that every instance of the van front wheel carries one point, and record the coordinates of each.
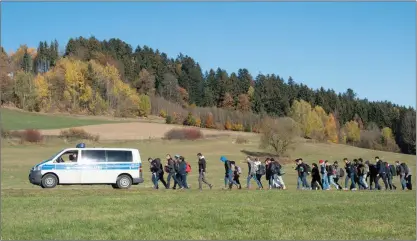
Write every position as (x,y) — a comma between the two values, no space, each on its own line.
(124,182)
(49,181)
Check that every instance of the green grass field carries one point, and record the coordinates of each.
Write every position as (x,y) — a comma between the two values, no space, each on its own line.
(18,120)
(99,212)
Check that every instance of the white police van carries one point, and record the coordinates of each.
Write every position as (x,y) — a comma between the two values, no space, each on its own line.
(119,167)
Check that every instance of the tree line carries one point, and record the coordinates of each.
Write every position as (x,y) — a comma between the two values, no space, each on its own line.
(110,77)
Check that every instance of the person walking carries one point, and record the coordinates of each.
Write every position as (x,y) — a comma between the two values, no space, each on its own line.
(381,168)
(260,171)
(331,174)
(401,173)
(280,173)
(172,174)
(315,177)
(324,178)
(202,172)
(183,173)
(251,173)
(228,173)
(350,175)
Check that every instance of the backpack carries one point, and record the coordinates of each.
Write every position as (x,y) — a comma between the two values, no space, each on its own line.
(393,170)
(261,169)
(166,169)
(341,172)
(188,168)
(308,168)
(281,171)
(366,169)
(238,169)
(406,170)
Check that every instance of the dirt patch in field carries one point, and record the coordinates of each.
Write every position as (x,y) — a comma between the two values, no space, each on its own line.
(137,131)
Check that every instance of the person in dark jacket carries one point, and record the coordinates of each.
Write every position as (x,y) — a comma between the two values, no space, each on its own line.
(302,173)
(350,175)
(202,172)
(161,173)
(401,173)
(315,177)
(228,173)
(268,172)
(171,171)
(236,174)
(381,174)
(361,174)
(373,172)
(183,172)
(177,172)
(153,170)
(390,177)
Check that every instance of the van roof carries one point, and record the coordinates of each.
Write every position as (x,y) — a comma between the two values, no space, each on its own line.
(103,148)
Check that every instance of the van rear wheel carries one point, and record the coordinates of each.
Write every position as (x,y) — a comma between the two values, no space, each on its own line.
(49,181)
(124,182)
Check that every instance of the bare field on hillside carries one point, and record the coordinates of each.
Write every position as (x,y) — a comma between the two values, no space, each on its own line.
(138,131)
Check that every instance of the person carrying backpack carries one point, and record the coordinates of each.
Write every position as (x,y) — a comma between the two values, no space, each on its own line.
(303,171)
(391,173)
(228,172)
(280,173)
(350,175)
(202,172)
(171,171)
(183,172)
(401,173)
(260,171)
(361,175)
(323,172)
(381,168)
(407,171)
(331,174)
(236,173)
(251,172)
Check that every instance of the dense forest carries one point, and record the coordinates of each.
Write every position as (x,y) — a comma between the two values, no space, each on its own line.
(110,77)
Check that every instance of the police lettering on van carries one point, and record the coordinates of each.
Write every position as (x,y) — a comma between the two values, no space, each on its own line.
(118,167)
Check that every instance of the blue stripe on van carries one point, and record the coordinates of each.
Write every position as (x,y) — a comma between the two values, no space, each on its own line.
(92,166)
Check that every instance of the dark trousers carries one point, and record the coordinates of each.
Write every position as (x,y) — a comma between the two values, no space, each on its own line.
(390,184)
(314,181)
(372,181)
(336,180)
(382,176)
(174,177)
(178,180)
(184,181)
(409,183)
(161,178)
(236,179)
(258,177)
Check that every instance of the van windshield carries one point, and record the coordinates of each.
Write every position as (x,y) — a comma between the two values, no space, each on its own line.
(52,157)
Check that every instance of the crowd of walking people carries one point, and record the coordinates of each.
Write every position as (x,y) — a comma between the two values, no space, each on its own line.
(324,175)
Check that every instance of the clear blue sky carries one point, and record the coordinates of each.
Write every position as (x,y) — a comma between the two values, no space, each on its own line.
(367,46)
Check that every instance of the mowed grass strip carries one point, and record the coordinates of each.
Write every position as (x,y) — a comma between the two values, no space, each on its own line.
(215,214)
(20,120)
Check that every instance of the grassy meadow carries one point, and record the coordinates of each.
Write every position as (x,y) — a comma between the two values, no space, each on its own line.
(12,119)
(99,212)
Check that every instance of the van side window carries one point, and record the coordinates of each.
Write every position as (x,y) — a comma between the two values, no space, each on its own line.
(93,156)
(67,157)
(119,156)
